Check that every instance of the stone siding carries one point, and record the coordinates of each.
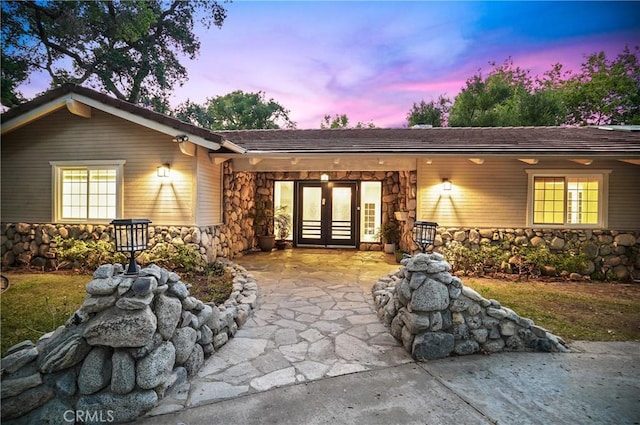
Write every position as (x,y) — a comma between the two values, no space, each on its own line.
(133,340)
(434,315)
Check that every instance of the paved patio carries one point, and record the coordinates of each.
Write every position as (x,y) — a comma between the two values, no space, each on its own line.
(315,319)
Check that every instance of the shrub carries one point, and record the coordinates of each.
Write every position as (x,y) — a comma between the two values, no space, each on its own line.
(86,254)
(185,258)
(477,260)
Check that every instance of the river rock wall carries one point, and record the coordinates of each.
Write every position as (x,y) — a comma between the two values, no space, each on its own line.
(434,315)
(132,340)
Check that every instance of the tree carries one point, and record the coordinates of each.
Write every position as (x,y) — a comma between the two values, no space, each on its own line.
(236,111)
(128,48)
(508,96)
(342,121)
(605,92)
(433,113)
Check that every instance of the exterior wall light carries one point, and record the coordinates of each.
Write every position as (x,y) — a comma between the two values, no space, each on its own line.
(181,138)
(131,235)
(164,171)
(446,184)
(424,234)
(324,177)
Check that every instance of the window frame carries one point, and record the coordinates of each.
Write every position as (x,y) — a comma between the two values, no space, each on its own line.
(603,197)
(58,167)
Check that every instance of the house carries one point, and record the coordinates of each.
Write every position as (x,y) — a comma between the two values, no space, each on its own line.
(74,159)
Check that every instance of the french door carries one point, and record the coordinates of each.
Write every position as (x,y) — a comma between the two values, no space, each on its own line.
(327,214)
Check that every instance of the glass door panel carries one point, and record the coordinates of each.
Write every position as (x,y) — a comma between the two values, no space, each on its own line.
(341,228)
(311,215)
(327,214)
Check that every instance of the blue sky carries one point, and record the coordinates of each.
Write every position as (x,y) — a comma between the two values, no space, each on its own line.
(372,60)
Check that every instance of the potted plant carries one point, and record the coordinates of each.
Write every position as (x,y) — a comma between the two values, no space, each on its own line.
(390,233)
(263,220)
(282,221)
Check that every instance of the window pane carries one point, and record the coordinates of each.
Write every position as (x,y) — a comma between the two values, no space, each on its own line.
(74,194)
(582,200)
(283,198)
(371,214)
(88,194)
(548,202)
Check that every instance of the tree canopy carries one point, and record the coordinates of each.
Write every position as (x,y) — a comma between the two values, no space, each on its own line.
(127,48)
(433,113)
(507,96)
(342,121)
(604,91)
(236,111)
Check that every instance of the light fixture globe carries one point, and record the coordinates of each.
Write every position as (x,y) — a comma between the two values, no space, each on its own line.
(424,234)
(131,235)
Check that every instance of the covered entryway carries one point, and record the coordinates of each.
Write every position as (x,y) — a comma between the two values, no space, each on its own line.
(327,214)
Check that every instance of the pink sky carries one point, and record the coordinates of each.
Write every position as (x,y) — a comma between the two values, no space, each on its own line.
(373,60)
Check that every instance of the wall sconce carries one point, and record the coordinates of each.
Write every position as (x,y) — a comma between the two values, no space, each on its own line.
(131,235)
(424,234)
(324,177)
(446,184)
(164,170)
(181,138)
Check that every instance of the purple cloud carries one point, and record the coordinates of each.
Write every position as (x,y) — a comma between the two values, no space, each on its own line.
(373,60)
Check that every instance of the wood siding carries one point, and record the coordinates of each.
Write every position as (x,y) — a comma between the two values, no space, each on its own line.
(209,190)
(27,185)
(494,194)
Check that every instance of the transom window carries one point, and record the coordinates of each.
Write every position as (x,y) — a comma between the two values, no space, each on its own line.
(568,199)
(87,193)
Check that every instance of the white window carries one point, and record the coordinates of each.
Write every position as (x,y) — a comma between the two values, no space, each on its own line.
(283,202)
(560,198)
(88,191)
(371,210)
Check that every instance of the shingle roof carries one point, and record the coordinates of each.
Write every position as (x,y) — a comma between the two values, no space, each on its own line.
(516,141)
(445,140)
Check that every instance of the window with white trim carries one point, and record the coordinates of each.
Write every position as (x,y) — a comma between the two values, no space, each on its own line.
(87,192)
(567,198)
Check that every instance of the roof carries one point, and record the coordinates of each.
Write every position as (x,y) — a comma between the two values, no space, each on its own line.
(612,141)
(62,96)
(517,141)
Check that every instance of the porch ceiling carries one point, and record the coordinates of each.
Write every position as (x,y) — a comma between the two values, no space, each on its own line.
(325,163)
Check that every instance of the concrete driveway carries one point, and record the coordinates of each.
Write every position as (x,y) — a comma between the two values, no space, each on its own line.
(314,353)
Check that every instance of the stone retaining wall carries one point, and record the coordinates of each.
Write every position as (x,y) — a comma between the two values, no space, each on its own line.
(434,315)
(612,254)
(133,340)
(30,244)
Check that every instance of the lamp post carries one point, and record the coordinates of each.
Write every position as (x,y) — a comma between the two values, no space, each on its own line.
(131,235)
(424,233)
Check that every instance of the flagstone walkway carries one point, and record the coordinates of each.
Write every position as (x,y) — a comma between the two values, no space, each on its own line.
(315,319)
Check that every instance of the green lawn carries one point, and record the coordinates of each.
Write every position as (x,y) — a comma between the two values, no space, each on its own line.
(575,311)
(37,303)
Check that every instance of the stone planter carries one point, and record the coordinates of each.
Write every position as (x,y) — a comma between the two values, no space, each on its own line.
(266,243)
(389,248)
